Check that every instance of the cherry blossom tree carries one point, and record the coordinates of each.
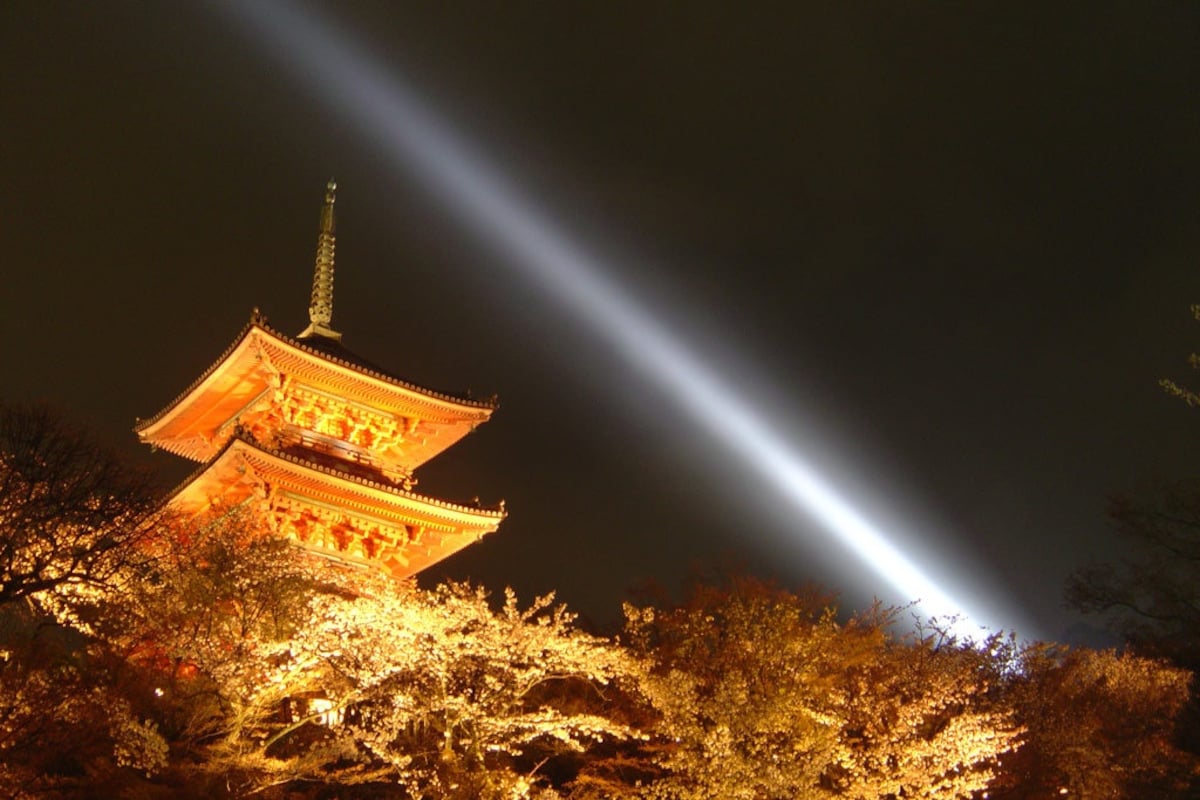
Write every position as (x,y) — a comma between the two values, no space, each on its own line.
(73,519)
(280,669)
(765,694)
(1099,724)
(71,511)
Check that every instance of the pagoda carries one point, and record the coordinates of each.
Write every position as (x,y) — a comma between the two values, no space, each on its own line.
(320,445)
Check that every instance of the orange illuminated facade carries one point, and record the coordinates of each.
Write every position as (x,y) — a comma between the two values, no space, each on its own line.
(321,445)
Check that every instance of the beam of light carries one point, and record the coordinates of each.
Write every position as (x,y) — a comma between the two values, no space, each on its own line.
(424,147)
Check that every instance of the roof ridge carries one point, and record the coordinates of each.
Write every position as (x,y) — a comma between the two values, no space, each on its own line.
(498,512)
(378,374)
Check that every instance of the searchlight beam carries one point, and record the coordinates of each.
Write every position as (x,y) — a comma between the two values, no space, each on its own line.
(408,133)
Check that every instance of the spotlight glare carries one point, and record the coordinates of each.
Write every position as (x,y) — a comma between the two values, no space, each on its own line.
(419,144)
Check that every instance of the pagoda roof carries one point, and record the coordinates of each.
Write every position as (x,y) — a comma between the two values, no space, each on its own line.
(245,469)
(196,423)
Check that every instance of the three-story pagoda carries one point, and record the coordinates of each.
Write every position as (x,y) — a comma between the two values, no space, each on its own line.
(320,444)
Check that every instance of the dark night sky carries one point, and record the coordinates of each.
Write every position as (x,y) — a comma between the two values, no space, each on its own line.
(952,249)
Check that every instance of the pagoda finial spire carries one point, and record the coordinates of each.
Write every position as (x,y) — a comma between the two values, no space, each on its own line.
(320,311)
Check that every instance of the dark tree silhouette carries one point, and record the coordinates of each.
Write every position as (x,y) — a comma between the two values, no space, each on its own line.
(71,511)
(1152,596)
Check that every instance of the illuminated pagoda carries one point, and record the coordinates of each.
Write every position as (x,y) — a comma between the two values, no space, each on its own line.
(320,444)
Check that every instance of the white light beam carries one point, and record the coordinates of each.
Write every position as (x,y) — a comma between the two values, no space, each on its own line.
(406,131)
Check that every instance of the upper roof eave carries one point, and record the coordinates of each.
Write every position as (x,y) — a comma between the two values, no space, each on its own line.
(258,323)
(143,424)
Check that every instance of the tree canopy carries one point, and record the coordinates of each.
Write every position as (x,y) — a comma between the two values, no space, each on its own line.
(161,657)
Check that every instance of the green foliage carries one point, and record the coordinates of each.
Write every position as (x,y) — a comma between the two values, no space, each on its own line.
(1182,392)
